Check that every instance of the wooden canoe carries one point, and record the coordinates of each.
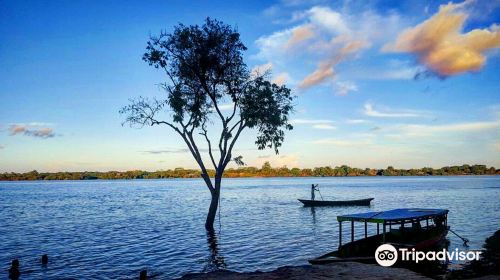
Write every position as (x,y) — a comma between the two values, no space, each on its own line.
(356,202)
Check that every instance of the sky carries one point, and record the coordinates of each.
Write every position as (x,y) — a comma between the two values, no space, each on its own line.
(377,83)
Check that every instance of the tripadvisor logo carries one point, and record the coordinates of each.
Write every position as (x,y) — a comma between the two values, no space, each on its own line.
(387,255)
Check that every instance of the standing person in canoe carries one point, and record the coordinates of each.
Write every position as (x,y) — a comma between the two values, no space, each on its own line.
(314,188)
(313,202)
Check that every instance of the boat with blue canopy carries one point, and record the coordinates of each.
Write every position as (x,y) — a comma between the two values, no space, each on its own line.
(418,228)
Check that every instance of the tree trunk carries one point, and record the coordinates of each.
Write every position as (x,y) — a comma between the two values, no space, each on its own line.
(212,211)
(214,205)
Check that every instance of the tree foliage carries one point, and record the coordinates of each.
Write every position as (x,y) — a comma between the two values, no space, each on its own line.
(204,68)
(265,171)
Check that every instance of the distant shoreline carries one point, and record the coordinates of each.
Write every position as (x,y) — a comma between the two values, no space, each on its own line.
(266,171)
(252,177)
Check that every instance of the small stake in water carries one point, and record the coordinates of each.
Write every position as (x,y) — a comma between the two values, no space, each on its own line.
(465,240)
(143,275)
(14,270)
(45,259)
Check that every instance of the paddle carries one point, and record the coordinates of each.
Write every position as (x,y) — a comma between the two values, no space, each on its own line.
(317,188)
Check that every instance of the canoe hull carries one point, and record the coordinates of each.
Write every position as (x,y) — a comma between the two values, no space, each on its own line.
(319,203)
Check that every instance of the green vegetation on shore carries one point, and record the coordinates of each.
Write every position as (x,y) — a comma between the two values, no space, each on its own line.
(265,171)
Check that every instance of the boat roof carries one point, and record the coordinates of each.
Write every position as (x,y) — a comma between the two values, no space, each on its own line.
(394,215)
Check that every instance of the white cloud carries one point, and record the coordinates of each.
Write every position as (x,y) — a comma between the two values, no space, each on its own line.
(343,88)
(316,124)
(281,78)
(309,121)
(290,160)
(447,132)
(32,129)
(300,34)
(33,124)
(167,151)
(421,130)
(370,111)
(324,126)
(356,121)
(339,49)
(328,37)
(262,69)
(226,107)
(267,69)
(328,19)
(343,142)
(439,44)
(272,47)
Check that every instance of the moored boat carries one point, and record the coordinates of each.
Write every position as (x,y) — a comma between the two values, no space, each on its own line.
(356,202)
(409,234)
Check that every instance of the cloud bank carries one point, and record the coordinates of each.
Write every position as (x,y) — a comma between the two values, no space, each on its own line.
(32,129)
(370,111)
(324,70)
(316,124)
(440,44)
(327,37)
(421,130)
(266,69)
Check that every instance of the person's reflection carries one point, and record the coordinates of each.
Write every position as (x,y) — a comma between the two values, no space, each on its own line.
(313,213)
(215,261)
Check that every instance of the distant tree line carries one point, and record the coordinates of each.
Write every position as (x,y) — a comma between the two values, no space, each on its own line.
(265,171)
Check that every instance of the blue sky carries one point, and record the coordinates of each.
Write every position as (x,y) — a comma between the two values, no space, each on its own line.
(378,83)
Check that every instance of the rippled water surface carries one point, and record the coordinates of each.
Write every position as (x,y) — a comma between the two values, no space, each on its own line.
(114,229)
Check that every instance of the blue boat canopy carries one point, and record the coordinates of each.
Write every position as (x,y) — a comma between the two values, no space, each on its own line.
(396,215)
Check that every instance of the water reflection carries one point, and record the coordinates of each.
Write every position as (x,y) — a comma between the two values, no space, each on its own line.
(313,214)
(215,260)
(264,226)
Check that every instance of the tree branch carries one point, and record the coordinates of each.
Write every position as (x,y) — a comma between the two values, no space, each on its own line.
(204,133)
(230,150)
(153,122)
(197,156)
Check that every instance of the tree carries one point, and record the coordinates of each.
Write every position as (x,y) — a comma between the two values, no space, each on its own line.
(204,68)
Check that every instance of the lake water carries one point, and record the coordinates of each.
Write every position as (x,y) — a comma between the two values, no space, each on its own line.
(114,229)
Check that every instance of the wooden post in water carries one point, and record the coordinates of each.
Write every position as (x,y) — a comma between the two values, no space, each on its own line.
(366,229)
(143,275)
(14,272)
(383,234)
(352,231)
(378,228)
(45,259)
(340,234)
